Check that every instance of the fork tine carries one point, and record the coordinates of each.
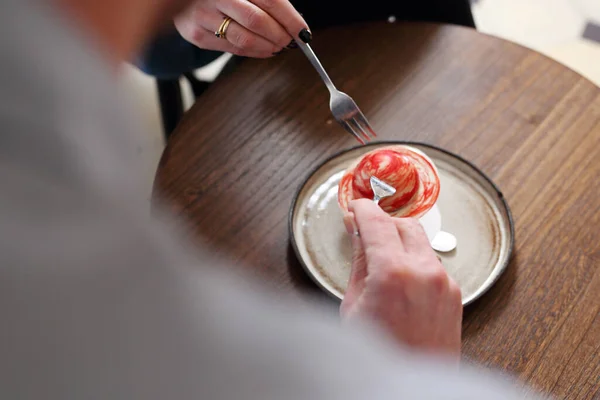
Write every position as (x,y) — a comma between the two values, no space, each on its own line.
(362,120)
(350,129)
(364,135)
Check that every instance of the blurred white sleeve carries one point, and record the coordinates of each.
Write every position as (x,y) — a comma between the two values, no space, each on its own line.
(97,303)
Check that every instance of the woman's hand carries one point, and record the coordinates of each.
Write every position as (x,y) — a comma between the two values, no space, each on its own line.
(259,28)
(398,282)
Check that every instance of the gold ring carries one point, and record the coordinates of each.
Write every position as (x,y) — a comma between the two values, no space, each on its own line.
(222,31)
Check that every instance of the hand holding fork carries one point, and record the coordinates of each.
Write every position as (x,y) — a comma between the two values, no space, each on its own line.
(344,109)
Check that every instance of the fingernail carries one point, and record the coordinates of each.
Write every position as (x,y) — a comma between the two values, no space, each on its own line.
(292,45)
(305,35)
(350,224)
(351,206)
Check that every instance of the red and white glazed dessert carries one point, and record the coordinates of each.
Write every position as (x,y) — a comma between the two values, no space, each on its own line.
(408,170)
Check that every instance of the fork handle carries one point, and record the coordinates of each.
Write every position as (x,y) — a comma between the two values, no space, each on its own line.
(310,54)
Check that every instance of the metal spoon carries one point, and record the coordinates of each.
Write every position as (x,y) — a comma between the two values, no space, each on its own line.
(381,189)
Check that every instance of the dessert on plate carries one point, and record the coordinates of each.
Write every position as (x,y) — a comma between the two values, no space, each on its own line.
(408,170)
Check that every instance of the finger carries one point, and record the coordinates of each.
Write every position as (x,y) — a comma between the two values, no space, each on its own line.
(378,234)
(350,224)
(287,16)
(256,20)
(249,42)
(196,31)
(207,40)
(413,235)
(453,313)
(239,40)
(358,271)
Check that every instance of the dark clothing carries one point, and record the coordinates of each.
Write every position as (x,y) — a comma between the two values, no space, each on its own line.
(170,56)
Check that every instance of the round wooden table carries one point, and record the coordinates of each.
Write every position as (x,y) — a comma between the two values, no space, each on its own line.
(233,164)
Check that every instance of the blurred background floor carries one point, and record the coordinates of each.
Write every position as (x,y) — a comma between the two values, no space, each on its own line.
(565,30)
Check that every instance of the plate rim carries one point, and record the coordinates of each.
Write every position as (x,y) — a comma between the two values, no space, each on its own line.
(292,237)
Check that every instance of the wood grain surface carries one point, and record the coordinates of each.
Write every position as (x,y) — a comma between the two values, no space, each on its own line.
(234,163)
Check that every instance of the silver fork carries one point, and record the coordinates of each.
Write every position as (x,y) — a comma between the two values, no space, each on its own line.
(381,189)
(344,109)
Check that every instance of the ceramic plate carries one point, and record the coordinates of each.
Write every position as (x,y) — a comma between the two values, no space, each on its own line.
(471,206)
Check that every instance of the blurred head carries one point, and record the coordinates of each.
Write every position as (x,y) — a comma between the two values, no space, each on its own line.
(122,27)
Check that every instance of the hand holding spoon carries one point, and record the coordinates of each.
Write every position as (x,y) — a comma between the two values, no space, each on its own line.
(443,242)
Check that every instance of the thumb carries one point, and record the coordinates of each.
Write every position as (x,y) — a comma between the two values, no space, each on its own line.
(358,271)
